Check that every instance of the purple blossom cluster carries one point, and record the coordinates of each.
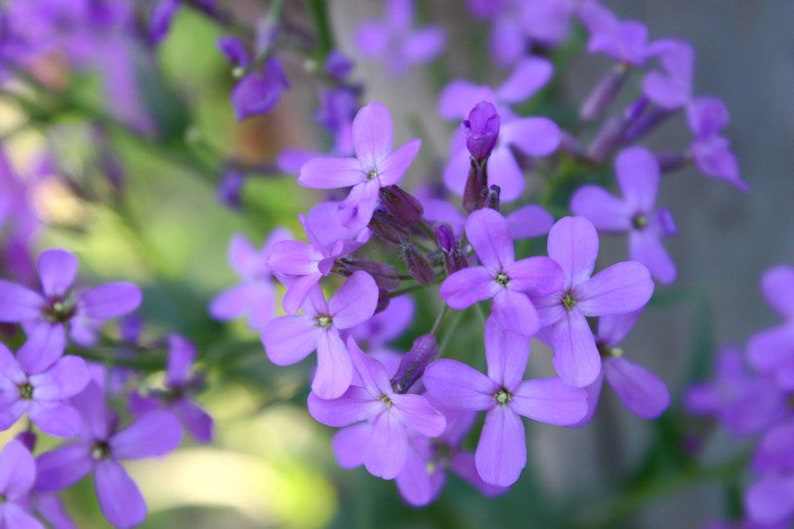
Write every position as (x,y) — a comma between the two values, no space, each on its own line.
(54,385)
(750,396)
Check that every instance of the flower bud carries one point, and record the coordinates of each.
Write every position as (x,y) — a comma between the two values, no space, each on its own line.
(401,205)
(476,186)
(388,228)
(418,266)
(482,131)
(413,364)
(603,93)
(385,275)
(454,258)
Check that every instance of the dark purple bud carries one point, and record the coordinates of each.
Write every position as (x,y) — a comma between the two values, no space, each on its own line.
(476,186)
(571,145)
(454,258)
(338,65)
(671,161)
(386,276)
(482,131)
(234,50)
(491,199)
(413,364)
(603,93)
(645,123)
(229,189)
(402,205)
(418,265)
(388,228)
(606,140)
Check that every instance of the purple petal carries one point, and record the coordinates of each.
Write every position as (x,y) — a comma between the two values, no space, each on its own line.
(350,444)
(419,483)
(392,169)
(638,176)
(771,349)
(195,420)
(388,448)
(506,354)
(535,275)
(18,303)
(290,339)
(68,377)
(466,287)
(9,366)
(576,357)
(604,210)
(355,301)
(529,221)
(356,210)
(234,50)
(119,498)
(640,390)
(57,270)
(63,467)
(416,413)
(504,171)
(295,258)
(457,385)
(17,470)
(45,345)
(770,500)
(55,418)
(243,257)
(110,300)
(515,312)
(154,434)
(457,169)
(424,44)
(532,136)
(489,235)
(13,515)
(646,248)
(464,465)
(502,450)
(613,328)
(181,355)
(355,405)
(331,173)
(459,97)
(573,243)
(707,116)
(529,76)
(622,287)
(550,400)
(372,135)
(777,285)
(92,406)
(371,372)
(371,39)
(334,367)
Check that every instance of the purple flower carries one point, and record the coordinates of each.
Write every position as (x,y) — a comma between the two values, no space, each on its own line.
(47,314)
(374,166)
(17,475)
(500,276)
(482,130)
(744,402)
(707,116)
(771,351)
(40,383)
(99,450)
(637,174)
(618,289)
(396,42)
(381,418)
(501,451)
(180,382)
(289,339)
(255,296)
(672,87)
(301,265)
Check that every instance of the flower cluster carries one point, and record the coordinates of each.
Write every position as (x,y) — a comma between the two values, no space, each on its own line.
(420,287)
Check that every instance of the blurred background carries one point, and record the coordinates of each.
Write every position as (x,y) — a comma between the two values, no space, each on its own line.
(271,465)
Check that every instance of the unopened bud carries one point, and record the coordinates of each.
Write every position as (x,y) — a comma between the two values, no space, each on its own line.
(385,226)
(413,364)
(385,275)
(476,186)
(603,93)
(418,266)
(482,131)
(402,205)
(454,258)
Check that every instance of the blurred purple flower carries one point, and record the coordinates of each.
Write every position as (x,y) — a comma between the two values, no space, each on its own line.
(707,116)
(394,41)
(637,174)
(40,383)
(17,475)
(99,450)
(47,314)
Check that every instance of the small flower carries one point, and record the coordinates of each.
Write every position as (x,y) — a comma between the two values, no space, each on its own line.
(707,116)
(381,418)
(18,475)
(375,165)
(618,289)
(289,339)
(501,451)
(99,450)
